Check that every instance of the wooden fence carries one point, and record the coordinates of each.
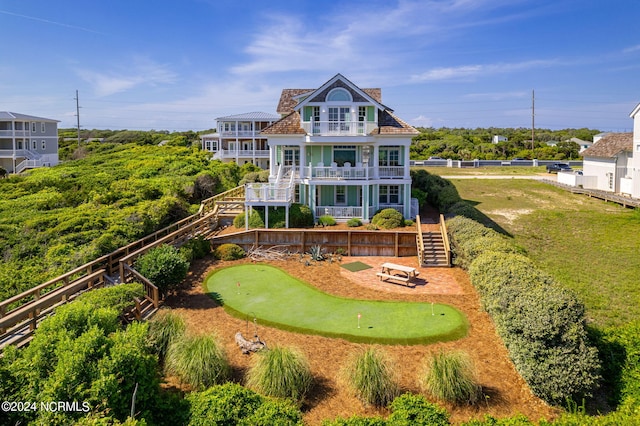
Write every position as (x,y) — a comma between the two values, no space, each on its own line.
(349,242)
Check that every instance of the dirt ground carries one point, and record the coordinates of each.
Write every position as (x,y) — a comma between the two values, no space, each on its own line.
(506,393)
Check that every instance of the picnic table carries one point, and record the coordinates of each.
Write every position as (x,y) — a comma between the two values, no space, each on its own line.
(391,271)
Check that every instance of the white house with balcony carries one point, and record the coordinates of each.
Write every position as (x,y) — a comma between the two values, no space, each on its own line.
(27,141)
(340,151)
(238,138)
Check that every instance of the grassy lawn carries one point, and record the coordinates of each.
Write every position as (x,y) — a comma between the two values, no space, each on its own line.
(497,170)
(586,244)
(275,298)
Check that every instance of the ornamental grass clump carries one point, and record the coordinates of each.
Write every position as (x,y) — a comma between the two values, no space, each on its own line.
(165,328)
(372,377)
(198,361)
(281,372)
(451,377)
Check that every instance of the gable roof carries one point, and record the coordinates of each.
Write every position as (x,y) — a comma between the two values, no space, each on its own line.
(610,146)
(319,94)
(635,111)
(10,116)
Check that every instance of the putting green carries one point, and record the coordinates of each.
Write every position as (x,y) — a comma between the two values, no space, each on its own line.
(277,299)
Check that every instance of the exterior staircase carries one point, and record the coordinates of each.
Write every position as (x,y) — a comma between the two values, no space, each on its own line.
(433,252)
(433,246)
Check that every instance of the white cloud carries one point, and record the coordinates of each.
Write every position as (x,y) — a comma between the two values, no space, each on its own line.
(631,49)
(141,72)
(467,71)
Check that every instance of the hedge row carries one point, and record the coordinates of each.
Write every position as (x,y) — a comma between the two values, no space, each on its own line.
(541,323)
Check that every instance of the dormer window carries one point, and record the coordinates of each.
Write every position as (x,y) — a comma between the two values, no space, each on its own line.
(339,95)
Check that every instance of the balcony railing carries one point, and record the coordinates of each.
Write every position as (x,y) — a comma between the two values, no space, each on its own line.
(398,207)
(16,133)
(268,192)
(339,128)
(258,153)
(339,212)
(354,173)
(239,133)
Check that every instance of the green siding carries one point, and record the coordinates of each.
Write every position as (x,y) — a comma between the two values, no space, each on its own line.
(307,113)
(328,155)
(371,113)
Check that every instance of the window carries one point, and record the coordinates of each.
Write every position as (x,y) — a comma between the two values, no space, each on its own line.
(34,144)
(339,118)
(389,194)
(339,95)
(33,127)
(389,157)
(291,156)
(42,127)
(44,145)
(341,195)
(343,154)
(362,113)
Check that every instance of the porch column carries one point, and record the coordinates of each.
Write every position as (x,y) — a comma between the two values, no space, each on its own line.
(365,202)
(406,162)
(407,201)
(266,216)
(312,199)
(286,216)
(376,162)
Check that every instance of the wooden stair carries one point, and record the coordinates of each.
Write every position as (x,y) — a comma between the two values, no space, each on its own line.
(433,252)
(142,311)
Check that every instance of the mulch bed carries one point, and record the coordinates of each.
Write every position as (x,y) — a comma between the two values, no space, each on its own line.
(507,393)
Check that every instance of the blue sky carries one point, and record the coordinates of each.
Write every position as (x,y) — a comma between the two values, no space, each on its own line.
(455,63)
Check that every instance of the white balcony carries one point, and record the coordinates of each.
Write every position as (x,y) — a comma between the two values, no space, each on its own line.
(12,133)
(354,173)
(269,193)
(339,128)
(249,153)
(240,134)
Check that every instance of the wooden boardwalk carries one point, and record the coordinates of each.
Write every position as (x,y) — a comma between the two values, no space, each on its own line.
(596,193)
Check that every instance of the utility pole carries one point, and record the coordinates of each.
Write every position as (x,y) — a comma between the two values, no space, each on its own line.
(533,118)
(78,115)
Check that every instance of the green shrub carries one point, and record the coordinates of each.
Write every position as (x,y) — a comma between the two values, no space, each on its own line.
(119,297)
(229,252)
(388,219)
(300,216)
(451,377)
(164,267)
(326,220)
(371,375)
(409,222)
(255,220)
(371,227)
(227,404)
(280,372)
(354,222)
(165,327)
(199,246)
(232,404)
(199,361)
(413,410)
(419,195)
(356,421)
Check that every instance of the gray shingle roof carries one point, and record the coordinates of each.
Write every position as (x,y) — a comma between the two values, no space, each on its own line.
(610,145)
(10,116)
(257,116)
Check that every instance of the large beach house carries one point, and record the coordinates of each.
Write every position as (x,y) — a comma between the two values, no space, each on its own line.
(27,141)
(339,150)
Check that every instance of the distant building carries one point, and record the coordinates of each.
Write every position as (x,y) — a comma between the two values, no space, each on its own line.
(27,141)
(583,144)
(238,138)
(499,138)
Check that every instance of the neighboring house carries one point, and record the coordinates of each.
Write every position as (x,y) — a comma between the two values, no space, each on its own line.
(340,151)
(499,138)
(27,141)
(238,139)
(607,162)
(583,144)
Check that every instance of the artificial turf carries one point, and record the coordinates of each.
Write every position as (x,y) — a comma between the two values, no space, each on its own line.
(275,298)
